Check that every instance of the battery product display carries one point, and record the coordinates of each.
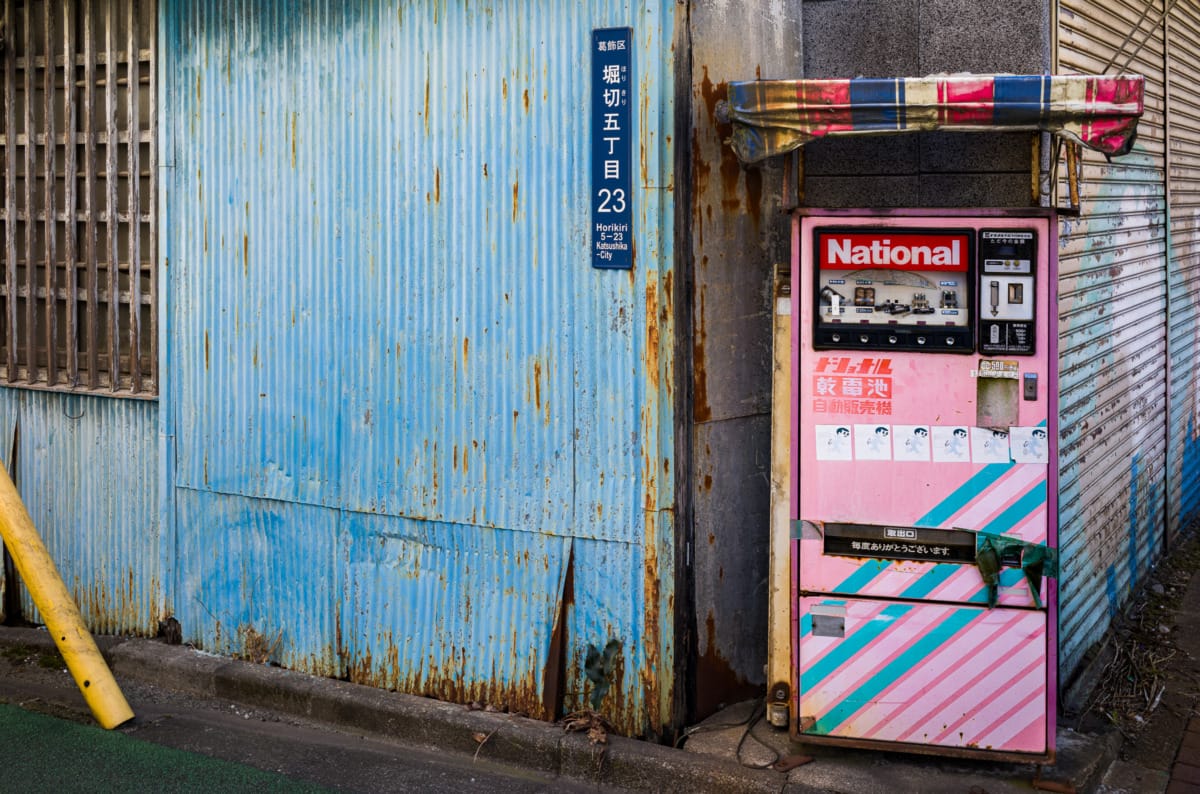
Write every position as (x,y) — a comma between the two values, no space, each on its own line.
(894,289)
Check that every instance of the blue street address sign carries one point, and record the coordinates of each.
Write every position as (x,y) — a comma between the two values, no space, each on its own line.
(612,148)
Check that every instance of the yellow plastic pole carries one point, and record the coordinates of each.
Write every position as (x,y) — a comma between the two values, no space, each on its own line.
(58,609)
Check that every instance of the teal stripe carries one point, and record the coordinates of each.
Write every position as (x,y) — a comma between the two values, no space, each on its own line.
(858,580)
(1009,577)
(1034,498)
(902,664)
(982,480)
(930,580)
(1012,515)
(851,646)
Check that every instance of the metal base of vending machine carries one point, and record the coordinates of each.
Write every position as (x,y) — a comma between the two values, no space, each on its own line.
(929,682)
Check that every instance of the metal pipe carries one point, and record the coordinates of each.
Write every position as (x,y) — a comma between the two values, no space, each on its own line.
(59,611)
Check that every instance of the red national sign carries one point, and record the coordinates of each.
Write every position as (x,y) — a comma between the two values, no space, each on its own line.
(894,249)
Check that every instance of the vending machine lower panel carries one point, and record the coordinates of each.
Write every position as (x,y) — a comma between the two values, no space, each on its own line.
(920,673)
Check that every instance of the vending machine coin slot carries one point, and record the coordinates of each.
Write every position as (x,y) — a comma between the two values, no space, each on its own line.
(1007,270)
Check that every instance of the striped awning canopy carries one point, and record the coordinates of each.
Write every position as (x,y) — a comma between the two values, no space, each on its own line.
(772,117)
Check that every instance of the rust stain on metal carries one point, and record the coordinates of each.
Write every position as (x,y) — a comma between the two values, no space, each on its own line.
(652,672)
(295,115)
(116,611)
(525,99)
(437,186)
(731,172)
(652,334)
(445,681)
(730,167)
(245,254)
(504,87)
(716,681)
(701,410)
(515,202)
(206,351)
(754,191)
(537,384)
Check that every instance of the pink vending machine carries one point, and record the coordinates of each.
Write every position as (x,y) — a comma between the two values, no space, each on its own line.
(923,510)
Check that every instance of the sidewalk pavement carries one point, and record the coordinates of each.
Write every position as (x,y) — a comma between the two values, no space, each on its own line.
(730,752)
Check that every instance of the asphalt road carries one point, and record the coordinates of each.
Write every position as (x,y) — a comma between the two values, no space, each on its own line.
(180,744)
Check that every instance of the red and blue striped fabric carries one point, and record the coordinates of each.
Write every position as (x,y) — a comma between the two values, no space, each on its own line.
(772,117)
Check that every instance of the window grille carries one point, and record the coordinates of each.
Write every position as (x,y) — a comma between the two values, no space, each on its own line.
(77,164)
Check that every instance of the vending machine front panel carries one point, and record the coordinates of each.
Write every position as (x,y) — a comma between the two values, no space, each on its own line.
(923,376)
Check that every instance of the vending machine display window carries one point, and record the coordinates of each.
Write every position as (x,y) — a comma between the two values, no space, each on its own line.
(894,289)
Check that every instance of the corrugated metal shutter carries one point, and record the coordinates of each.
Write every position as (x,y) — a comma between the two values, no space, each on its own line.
(1183,180)
(1113,352)
(87,470)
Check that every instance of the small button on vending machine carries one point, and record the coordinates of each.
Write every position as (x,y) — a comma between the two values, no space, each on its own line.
(923,488)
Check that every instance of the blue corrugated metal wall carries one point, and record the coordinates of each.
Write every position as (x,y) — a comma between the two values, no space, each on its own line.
(87,470)
(402,403)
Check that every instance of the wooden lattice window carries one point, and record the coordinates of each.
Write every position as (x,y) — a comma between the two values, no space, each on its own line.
(78,144)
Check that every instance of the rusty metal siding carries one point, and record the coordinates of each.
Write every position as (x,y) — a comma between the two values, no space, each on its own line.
(385,336)
(739,230)
(1183,181)
(254,268)
(87,471)
(403,578)
(255,579)
(1113,352)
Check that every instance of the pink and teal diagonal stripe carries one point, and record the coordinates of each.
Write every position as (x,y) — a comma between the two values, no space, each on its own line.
(927,673)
